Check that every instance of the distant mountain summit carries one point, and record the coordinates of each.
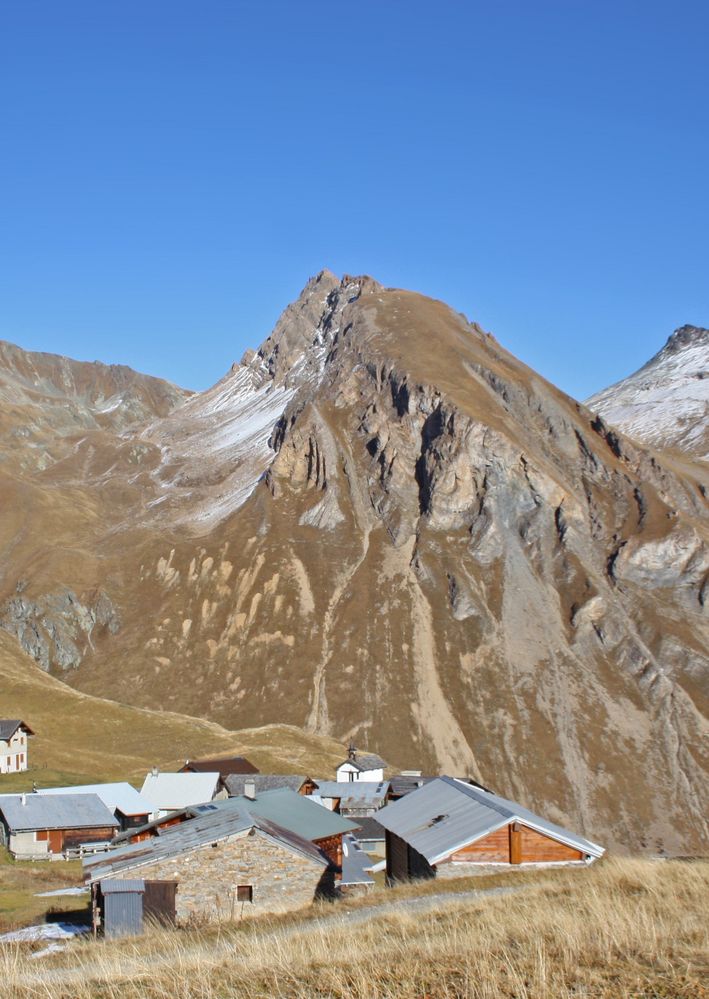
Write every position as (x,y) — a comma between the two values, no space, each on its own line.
(665,403)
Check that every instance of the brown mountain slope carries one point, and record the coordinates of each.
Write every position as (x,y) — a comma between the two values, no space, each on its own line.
(384,526)
(91,739)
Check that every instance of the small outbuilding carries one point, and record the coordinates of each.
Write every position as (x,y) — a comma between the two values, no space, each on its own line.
(121,907)
(448,828)
(355,799)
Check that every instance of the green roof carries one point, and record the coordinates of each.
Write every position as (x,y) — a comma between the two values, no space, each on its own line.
(297,813)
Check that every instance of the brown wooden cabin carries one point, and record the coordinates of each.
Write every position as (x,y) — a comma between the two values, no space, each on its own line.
(447,825)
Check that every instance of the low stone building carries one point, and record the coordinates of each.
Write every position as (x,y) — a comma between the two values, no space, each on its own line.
(227,864)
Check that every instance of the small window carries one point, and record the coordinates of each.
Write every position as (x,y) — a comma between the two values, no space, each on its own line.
(244,893)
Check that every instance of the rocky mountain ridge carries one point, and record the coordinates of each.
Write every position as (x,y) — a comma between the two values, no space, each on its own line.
(666,402)
(382,526)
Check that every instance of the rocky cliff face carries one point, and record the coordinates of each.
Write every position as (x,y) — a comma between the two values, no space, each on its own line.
(666,403)
(382,526)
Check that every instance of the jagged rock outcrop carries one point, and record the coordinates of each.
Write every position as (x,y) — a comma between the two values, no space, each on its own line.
(381,525)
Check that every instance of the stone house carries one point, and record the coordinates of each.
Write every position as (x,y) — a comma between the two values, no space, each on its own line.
(227,864)
(14,745)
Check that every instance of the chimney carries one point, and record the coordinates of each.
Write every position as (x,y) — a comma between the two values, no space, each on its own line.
(24,799)
(250,789)
(155,771)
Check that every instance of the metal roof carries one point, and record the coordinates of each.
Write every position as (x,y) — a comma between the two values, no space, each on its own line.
(355,864)
(234,783)
(402,784)
(109,887)
(212,826)
(447,814)
(59,811)
(168,792)
(369,828)
(290,811)
(119,796)
(226,765)
(354,793)
(8,727)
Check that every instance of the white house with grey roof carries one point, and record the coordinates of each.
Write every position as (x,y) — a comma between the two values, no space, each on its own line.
(447,828)
(14,745)
(361,766)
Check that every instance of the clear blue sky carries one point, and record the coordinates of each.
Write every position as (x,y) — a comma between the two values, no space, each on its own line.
(172,172)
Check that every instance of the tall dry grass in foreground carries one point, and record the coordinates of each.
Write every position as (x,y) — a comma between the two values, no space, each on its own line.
(623,928)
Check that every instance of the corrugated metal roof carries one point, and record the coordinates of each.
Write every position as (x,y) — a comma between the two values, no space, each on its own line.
(119,796)
(295,812)
(369,828)
(212,826)
(234,783)
(60,811)
(362,793)
(110,887)
(169,792)
(8,727)
(447,814)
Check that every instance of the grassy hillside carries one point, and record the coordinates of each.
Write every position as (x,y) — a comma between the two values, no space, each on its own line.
(630,928)
(84,738)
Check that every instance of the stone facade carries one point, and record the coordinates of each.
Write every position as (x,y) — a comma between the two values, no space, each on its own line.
(208,878)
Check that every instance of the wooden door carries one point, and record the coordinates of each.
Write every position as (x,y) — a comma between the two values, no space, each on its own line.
(515,843)
(159,901)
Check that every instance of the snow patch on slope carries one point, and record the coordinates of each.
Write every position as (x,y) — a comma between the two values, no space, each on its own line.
(666,402)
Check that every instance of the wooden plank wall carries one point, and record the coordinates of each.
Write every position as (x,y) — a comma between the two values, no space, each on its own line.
(537,848)
(493,847)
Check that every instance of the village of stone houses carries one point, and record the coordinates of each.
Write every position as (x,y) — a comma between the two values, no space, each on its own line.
(218,841)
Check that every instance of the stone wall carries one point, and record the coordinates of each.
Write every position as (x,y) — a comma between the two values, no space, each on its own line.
(207,879)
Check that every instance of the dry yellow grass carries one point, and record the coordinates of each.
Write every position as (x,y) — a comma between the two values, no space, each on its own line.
(627,928)
(83,738)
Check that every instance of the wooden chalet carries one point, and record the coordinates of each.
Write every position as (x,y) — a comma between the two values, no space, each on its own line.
(447,825)
(38,827)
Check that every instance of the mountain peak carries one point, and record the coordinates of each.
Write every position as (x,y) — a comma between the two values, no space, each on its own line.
(687,336)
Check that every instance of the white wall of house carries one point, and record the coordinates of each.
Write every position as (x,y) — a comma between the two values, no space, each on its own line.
(26,846)
(13,753)
(348,772)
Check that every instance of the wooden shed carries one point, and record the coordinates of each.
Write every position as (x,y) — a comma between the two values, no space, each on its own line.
(447,825)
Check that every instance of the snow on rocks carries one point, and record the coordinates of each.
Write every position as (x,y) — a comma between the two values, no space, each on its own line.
(666,402)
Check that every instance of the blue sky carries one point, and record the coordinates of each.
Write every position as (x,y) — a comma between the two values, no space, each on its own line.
(172,172)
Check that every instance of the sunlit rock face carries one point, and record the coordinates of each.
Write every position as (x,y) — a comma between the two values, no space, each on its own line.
(383,526)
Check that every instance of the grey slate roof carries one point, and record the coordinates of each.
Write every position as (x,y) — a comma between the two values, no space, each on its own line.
(355,793)
(213,826)
(234,783)
(58,811)
(290,811)
(8,727)
(365,761)
(118,796)
(447,814)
